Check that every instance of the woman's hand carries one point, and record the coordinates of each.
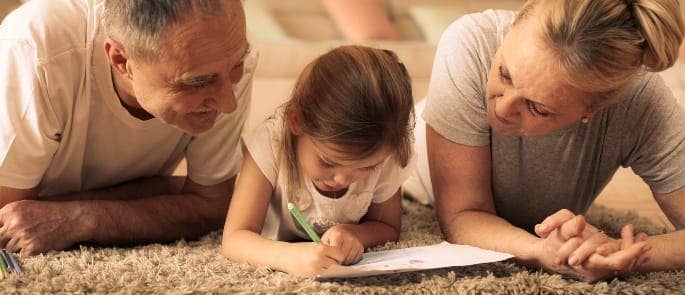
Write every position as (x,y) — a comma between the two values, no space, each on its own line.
(587,253)
(345,240)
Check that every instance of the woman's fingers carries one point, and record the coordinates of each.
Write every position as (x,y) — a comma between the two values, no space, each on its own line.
(627,236)
(553,222)
(620,260)
(586,249)
(567,249)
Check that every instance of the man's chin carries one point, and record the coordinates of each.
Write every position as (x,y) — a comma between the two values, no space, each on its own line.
(196,128)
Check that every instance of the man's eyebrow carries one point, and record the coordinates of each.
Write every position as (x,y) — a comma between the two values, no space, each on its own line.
(196,81)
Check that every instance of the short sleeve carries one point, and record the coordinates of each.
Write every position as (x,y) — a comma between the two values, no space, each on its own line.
(28,135)
(456,106)
(215,155)
(263,145)
(391,178)
(656,145)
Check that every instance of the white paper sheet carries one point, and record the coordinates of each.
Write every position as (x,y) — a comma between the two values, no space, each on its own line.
(413,259)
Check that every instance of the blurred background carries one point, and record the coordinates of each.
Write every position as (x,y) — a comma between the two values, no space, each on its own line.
(290,33)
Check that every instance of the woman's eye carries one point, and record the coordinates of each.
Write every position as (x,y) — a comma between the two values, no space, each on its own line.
(504,76)
(535,110)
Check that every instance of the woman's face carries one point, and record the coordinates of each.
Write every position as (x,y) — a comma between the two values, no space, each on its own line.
(525,92)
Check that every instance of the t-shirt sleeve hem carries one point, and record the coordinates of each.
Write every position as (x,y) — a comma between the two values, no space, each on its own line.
(442,127)
(18,182)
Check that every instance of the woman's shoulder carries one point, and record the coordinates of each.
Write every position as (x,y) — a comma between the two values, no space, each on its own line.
(485,25)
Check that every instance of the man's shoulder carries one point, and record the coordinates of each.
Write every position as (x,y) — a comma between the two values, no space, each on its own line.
(51,27)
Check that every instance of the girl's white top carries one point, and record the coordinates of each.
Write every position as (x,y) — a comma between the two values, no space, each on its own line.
(264,145)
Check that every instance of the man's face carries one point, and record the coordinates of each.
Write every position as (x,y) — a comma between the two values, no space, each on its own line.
(193,81)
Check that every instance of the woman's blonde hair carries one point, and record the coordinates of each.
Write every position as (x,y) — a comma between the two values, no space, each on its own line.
(353,96)
(600,45)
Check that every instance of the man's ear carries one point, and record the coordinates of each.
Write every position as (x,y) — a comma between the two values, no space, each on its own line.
(293,122)
(116,55)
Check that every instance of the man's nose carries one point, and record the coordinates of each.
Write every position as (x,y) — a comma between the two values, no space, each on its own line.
(224,101)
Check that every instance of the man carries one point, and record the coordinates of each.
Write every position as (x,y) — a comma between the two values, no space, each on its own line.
(101,101)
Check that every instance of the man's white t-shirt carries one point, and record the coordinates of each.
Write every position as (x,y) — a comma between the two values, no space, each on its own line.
(264,145)
(63,127)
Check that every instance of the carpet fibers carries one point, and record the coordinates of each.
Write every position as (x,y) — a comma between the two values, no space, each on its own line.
(198,267)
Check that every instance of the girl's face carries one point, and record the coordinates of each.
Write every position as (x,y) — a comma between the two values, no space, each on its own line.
(329,167)
(526,95)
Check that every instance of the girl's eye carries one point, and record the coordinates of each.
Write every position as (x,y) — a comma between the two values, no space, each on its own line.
(370,168)
(325,164)
(535,110)
(505,77)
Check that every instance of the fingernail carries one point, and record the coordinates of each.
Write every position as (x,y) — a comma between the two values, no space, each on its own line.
(572,261)
(542,227)
(557,261)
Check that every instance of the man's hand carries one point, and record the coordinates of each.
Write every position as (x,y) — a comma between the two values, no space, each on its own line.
(31,227)
(340,237)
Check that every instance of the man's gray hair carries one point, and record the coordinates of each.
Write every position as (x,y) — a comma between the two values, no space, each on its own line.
(140,24)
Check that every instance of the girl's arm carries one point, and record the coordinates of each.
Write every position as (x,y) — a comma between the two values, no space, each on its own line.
(381,224)
(242,240)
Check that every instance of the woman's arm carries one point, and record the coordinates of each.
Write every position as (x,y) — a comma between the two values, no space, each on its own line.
(465,209)
(668,250)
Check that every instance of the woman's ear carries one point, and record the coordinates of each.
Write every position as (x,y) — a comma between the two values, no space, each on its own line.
(293,122)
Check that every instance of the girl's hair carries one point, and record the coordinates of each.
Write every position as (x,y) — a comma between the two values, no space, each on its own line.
(355,97)
(601,45)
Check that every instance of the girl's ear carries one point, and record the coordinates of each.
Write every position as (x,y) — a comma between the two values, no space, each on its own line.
(293,122)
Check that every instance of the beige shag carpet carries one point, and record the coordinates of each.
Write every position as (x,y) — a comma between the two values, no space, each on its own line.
(198,267)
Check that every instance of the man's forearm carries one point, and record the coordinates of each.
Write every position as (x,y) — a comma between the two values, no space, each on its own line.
(488,231)
(160,218)
(134,189)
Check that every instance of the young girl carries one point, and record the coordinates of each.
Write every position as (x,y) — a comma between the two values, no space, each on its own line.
(338,150)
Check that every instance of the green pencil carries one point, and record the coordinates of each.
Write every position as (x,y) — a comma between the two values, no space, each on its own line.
(303,222)
(3,266)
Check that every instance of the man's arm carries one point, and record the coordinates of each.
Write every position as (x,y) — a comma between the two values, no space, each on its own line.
(9,195)
(38,226)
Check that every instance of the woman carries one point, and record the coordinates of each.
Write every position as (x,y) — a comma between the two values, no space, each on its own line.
(529,115)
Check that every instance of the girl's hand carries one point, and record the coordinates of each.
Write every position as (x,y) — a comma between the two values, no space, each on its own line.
(344,239)
(311,259)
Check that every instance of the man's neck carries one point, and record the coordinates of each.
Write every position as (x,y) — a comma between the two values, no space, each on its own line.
(124,91)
